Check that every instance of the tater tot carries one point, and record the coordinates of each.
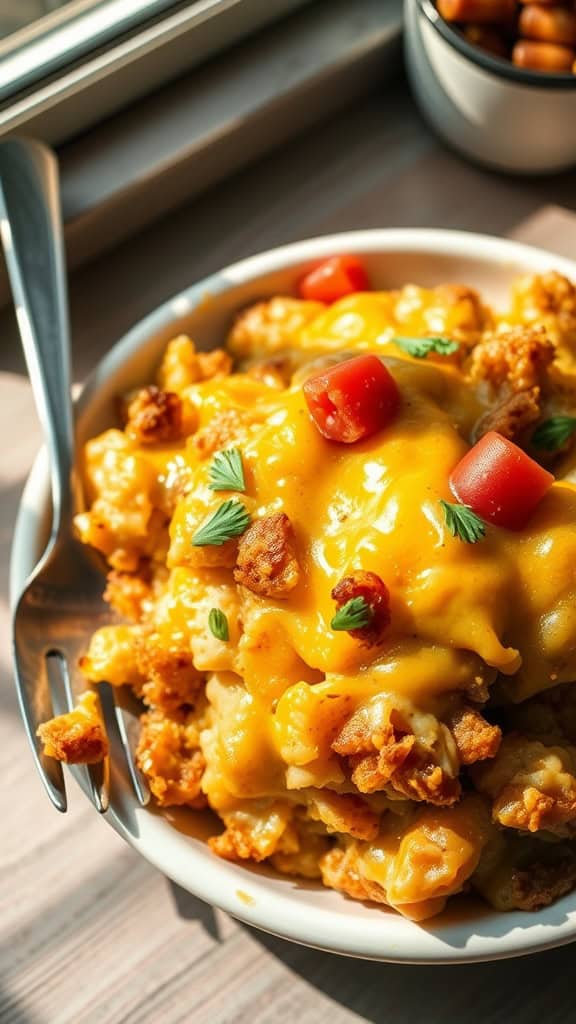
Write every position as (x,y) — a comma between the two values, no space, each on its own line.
(542,56)
(548,24)
(495,12)
(487,38)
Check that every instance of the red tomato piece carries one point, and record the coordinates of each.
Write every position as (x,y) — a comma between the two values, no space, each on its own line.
(334,278)
(353,399)
(500,482)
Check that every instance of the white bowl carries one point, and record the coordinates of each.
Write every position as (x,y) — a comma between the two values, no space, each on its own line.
(506,117)
(294,909)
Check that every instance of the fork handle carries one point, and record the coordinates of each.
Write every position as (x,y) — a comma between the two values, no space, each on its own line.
(31,232)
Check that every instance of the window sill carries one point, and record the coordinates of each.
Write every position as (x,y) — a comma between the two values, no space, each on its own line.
(141,163)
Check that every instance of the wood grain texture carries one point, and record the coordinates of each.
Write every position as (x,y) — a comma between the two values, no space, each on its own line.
(90,933)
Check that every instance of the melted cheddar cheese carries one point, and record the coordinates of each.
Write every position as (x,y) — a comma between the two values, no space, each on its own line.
(325,755)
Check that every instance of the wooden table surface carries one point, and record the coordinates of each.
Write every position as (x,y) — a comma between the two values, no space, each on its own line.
(89,932)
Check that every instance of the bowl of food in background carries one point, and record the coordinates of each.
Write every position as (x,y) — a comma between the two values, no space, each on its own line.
(497,79)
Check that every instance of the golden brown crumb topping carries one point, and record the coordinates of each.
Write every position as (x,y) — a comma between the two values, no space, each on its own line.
(515,360)
(533,786)
(475,738)
(169,756)
(413,756)
(77,737)
(154,417)
(266,562)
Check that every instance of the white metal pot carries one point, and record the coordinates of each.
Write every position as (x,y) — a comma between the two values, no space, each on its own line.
(505,117)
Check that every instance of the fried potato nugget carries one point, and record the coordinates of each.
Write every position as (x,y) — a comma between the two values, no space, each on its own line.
(168,754)
(77,737)
(533,786)
(266,562)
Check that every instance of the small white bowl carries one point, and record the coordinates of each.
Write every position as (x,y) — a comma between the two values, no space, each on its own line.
(175,843)
(508,118)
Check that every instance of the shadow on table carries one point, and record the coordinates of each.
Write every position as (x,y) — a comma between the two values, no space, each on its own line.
(190,908)
(12,1011)
(527,989)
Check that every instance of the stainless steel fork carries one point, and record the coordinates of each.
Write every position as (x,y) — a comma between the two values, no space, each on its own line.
(61,604)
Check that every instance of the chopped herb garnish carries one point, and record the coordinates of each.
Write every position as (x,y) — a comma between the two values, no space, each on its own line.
(229,520)
(420,347)
(463,522)
(355,614)
(227,472)
(552,434)
(218,624)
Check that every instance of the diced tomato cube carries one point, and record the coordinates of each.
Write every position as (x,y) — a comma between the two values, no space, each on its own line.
(500,482)
(334,278)
(353,399)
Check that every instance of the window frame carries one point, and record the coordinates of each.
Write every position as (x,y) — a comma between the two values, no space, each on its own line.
(60,80)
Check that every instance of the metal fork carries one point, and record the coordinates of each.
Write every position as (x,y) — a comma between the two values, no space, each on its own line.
(62,603)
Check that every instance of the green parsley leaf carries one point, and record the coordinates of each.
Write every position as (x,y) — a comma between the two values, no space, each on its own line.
(463,522)
(355,614)
(420,347)
(227,472)
(218,624)
(230,519)
(553,433)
